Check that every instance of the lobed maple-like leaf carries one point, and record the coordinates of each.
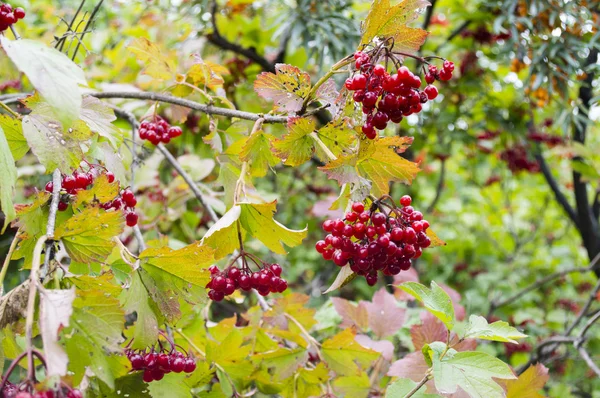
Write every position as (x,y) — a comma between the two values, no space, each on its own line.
(435,300)
(257,152)
(384,347)
(342,353)
(136,299)
(352,314)
(355,386)
(207,73)
(385,317)
(284,361)
(529,384)
(88,236)
(99,118)
(377,161)
(287,87)
(156,64)
(390,21)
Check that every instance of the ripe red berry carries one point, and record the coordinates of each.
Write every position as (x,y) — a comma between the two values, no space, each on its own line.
(378,218)
(276,269)
(405,200)
(19,13)
(137,362)
(148,376)
(358,207)
(110,176)
(431,91)
(178,365)
(62,206)
(49,186)
(190,365)
(379,70)
(131,219)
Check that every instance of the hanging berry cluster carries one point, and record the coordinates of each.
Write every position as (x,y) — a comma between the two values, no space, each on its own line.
(518,159)
(389,97)
(266,280)
(8,16)
(157,361)
(384,238)
(158,130)
(81,180)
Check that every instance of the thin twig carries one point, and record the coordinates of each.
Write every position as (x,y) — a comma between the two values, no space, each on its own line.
(539,283)
(14,32)
(586,357)
(63,39)
(11,249)
(424,380)
(439,188)
(10,111)
(87,25)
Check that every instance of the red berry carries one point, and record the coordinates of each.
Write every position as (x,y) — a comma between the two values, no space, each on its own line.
(174,131)
(49,186)
(276,269)
(445,75)
(378,218)
(219,283)
(405,200)
(131,219)
(245,282)
(379,70)
(137,362)
(110,176)
(431,91)
(62,206)
(157,374)
(69,183)
(81,181)
(358,207)
(190,365)
(19,13)
(234,273)
(178,365)
(320,246)
(148,376)
(328,225)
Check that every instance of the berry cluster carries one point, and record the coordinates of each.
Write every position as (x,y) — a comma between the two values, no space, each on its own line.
(376,240)
(156,364)
(79,180)
(8,16)
(483,36)
(514,348)
(549,139)
(10,390)
(158,130)
(389,97)
(267,280)
(517,159)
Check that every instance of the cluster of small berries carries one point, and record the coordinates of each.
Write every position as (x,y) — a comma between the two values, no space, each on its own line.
(389,97)
(372,241)
(158,130)
(517,159)
(514,348)
(156,364)
(483,36)
(71,184)
(550,140)
(267,280)
(8,16)
(10,390)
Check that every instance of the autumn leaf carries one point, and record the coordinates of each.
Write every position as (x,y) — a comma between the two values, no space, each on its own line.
(385,317)
(206,73)
(257,152)
(157,65)
(343,354)
(13,131)
(389,21)
(378,161)
(529,383)
(102,191)
(352,314)
(287,87)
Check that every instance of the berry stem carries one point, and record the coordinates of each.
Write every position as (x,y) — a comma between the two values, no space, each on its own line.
(14,32)
(191,343)
(9,110)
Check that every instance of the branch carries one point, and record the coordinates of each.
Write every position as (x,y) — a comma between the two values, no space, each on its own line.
(424,380)
(208,109)
(189,180)
(283,44)
(11,249)
(560,197)
(220,41)
(596,205)
(429,14)
(539,283)
(56,182)
(586,357)
(62,40)
(589,229)
(440,187)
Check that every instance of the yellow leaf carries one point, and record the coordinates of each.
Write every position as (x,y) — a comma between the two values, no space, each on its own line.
(157,65)
(387,21)
(257,152)
(296,147)
(529,383)
(102,191)
(207,73)
(342,353)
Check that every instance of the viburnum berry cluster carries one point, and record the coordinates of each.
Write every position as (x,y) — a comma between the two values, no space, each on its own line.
(8,16)
(158,130)
(384,238)
(81,180)
(389,97)
(518,159)
(266,280)
(157,361)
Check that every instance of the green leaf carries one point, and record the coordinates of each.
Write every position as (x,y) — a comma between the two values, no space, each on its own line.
(13,130)
(157,65)
(471,371)
(297,146)
(99,118)
(88,236)
(435,300)
(223,235)
(231,355)
(51,72)
(56,145)
(257,219)
(498,331)
(136,299)
(342,353)
(172,386)
(84,354)
(8,178)
(284,361)
(353,386)
(170,275)
(401,387)
(257,152)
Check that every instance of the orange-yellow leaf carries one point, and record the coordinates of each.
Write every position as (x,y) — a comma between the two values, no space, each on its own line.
(157,65)
(287,87)
(385,21)
(529,384)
